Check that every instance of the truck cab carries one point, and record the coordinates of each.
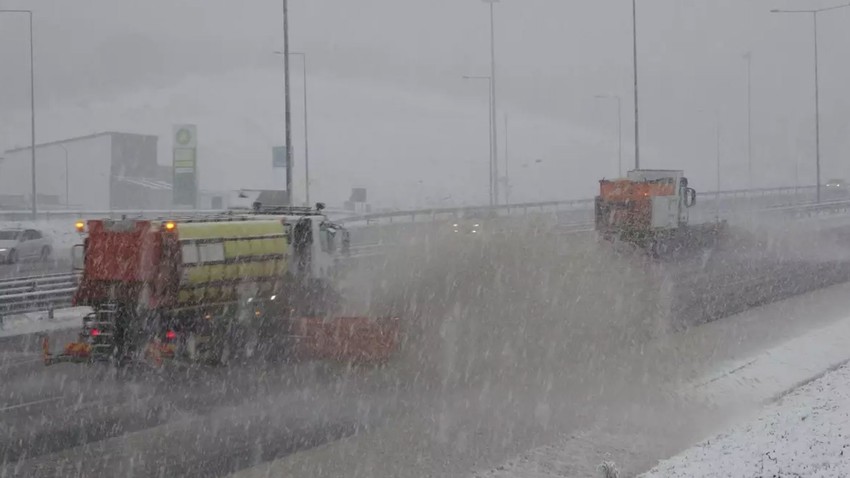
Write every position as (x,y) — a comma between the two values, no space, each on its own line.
(317,246)
(642,206)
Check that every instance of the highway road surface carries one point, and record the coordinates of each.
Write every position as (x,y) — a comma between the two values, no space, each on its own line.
(511,344)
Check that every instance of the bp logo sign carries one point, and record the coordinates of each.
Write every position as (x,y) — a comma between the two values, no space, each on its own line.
(185,136)
(185,181)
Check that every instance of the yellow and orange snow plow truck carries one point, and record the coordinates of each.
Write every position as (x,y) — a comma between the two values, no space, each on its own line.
(211,289)
(650,209)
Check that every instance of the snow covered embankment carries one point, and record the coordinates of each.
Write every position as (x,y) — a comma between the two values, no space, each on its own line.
(806,433)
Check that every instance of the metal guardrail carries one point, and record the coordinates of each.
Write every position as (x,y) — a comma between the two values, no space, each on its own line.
(33,294)
(436,214)
(366,250)
(19,215)
(816,210)
(23,215)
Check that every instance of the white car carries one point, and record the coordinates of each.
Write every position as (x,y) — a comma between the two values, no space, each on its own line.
(17,244)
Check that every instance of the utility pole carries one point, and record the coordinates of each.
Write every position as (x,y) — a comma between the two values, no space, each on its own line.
(288,111)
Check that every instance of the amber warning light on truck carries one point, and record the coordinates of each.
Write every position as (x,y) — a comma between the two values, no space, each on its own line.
(80,226)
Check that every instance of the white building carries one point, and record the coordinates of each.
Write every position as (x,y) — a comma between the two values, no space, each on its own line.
(101,171)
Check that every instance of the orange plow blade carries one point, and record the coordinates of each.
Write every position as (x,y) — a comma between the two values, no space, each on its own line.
(347,339)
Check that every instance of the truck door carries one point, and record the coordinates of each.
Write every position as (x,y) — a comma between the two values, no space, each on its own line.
(323,250)
(302,246)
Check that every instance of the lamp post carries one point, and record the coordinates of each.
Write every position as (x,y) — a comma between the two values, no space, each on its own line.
(306,127)
(619,129)
(507,175)
(635,64)
(32,107)
(716,117)
(749,58)
(67,188)
(717,150)
(490,129)
(287,107)
(493,123)
(814,13)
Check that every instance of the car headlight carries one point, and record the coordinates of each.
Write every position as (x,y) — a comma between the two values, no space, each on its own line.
(3,250)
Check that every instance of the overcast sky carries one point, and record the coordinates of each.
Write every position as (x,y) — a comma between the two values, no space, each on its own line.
(553,55)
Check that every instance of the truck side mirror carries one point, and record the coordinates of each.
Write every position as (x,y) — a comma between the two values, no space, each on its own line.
(346,242)
(78,257)
(690,197)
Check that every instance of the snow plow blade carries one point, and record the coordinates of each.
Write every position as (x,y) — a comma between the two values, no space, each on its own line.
(346,339)
(74,352)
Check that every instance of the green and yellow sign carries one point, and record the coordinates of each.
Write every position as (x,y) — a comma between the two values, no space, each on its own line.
(185,163)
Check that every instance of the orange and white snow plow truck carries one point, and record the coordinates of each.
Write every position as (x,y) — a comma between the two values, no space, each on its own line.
(650,209)
(210,289)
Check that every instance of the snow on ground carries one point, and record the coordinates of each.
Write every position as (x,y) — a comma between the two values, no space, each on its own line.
(731,390)
(34,322)
(806,433)
(774,371)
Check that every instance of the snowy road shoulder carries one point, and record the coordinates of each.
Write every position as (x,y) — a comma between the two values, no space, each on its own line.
(725,392)
(769,374)
(806,433)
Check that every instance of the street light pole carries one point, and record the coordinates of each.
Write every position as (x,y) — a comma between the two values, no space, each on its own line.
(716,118)
(287,100)
(507,176)
(619,130)
(749,57)
(495,168)
(67,188)
(817,109)
(717,146)
(635,63)
(306,129)
(814,14)
(32,108)
(306,135)
(490,127)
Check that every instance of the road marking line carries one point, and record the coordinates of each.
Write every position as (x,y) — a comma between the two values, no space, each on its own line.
(27,404)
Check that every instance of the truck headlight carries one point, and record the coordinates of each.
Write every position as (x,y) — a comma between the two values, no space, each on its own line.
(3,250)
